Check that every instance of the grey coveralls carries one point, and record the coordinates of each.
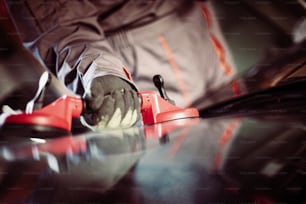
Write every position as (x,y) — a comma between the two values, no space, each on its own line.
(80,40)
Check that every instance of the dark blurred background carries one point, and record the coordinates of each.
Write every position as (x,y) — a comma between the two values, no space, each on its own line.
(257,29)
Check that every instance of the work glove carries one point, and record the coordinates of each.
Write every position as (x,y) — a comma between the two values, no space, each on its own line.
(111,102)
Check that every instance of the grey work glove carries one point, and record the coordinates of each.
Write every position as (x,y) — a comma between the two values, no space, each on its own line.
(111,102)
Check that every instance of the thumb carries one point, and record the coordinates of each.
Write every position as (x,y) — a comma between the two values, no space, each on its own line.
(94,97)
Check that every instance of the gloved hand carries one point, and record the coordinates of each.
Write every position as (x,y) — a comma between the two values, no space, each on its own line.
(111,102)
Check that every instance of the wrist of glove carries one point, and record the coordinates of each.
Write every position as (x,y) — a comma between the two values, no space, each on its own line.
(111,102)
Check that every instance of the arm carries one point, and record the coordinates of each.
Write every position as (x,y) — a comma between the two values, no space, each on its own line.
(71,43)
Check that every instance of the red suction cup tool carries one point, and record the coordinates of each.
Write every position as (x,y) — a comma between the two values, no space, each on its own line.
(58,114)
(156,109)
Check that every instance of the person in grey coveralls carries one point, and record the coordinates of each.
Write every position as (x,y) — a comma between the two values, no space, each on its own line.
(107,50)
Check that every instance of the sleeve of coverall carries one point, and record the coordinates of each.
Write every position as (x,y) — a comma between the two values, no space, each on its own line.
(227,69)
(221,78)
(72,37)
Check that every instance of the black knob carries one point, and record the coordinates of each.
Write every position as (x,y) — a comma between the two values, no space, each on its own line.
(159,84)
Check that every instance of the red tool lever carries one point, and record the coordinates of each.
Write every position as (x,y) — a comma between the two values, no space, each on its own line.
(155,109)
